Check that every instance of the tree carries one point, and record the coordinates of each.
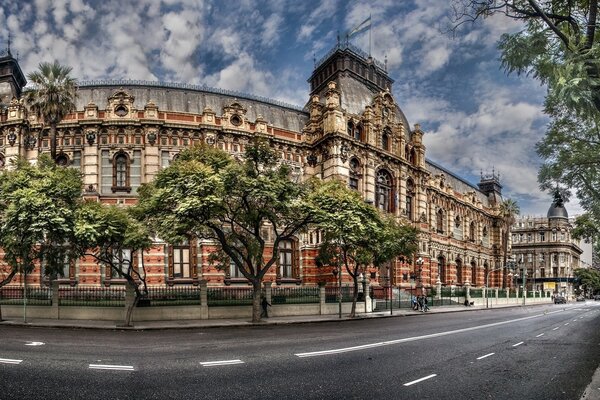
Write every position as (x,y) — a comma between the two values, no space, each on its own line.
(586,229)
(239,205)
(589,278)
(509,209)
(356,235)
(559,46)
(52,96)
(111,236)
(37,215)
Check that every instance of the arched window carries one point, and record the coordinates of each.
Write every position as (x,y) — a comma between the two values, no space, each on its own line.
(358,132)
(459,271)
(383,191)
(472,231)
(121,173)
(354,174)
(439,221)
(410,193)
(62,160)
(385,140)
(473,273)
(442,269)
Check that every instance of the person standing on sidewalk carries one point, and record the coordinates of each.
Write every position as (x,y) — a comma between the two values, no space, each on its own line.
(264,304)
(425,306)
(420,301)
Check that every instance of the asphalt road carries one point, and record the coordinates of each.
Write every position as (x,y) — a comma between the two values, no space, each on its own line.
(538,352)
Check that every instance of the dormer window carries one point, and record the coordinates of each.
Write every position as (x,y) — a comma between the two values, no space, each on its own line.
(235,120)
(385,141)
(121,110)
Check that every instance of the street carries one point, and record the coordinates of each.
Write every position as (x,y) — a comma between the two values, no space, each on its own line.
(538,352)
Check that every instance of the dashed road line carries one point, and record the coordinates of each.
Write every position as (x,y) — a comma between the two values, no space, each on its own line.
(111,367)
(485,356)
(222,362)
(556,328)
(10,361)
(415,338)
(517,344)
(420,380)
(541,334)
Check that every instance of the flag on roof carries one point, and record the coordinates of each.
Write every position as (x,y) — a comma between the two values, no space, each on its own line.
(360,28)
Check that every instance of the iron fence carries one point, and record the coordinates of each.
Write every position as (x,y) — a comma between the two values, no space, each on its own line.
(295,295)
(332,293)
(171,296)
(228,296)
(36,296)
(113,296)
(476,293)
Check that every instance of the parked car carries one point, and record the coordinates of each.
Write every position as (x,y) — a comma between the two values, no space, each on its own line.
(560,300)
(580,298)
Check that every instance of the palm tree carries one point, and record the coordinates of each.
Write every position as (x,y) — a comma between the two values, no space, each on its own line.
(52,96)
(509,209)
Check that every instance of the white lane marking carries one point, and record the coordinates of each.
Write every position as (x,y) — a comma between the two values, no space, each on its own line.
(420,380)
(556,328)
(223,362)
(487,355)
(574,320)
(10,361)
(517,344)
(415,338)
(35,344)
(541,334)
(566,324)
(112,367)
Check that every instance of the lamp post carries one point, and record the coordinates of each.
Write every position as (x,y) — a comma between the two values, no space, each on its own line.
(338,275)
(419,263)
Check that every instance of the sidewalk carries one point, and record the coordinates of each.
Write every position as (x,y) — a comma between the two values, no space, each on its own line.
(219,323)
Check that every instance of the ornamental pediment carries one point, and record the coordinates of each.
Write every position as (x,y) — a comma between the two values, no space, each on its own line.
(120,105)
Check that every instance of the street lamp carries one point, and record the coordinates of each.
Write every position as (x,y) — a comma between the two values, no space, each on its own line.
(419,263)
(338,275)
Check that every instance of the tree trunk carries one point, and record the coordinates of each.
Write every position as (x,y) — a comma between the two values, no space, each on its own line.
(256,298)
(129,314)
(53,141)
(354,296)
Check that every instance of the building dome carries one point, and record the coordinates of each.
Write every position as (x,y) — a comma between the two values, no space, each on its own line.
(557,209)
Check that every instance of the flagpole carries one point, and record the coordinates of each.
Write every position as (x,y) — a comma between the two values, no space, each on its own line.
(370,29)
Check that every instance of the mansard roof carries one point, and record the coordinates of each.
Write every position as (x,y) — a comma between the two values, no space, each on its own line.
(192,99)
(456,182)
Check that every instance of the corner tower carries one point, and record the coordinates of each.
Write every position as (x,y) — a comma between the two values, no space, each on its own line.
(12,80)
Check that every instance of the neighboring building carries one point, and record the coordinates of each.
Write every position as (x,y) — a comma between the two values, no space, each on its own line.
(544,249)
(124,132)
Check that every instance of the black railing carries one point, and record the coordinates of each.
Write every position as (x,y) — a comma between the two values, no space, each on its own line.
(228,296)
(92,296)
(36,296)
(171,296)
(295,295)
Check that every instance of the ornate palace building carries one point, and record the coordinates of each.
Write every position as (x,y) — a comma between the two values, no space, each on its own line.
(545,251)
(123,132)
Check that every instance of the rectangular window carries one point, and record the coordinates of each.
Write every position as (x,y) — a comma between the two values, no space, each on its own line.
(234,271)
(285,259)
(353,183)
(529,237)
(106,173)
(122,260)
(542,236)
(181,261)
(409,207)
(529,257)
(76,160)
(165,159)
(136,170)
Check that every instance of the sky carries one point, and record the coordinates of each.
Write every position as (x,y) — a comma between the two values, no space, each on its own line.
(475,117)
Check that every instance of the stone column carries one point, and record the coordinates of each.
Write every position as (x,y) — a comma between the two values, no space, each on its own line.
(203,299)
(438,288)
(468,291)
(366,295)
(322,299)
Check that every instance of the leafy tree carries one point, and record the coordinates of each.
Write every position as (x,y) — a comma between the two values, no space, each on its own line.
(37,215)
(509,209)
(586,229)
(589,278)
(559,46)
(240,206)
(111,236)
(52,96)
(356,235)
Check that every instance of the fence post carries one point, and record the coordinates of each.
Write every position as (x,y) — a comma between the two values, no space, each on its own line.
(497,295)
(438,289)
(203,299)
(55,307)
(468,292)
(366,295)
(321,299)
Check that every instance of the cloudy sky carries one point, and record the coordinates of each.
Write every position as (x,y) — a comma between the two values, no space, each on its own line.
(475,117)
